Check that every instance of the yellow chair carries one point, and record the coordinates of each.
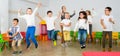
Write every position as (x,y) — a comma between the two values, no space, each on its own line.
(115,36)
(43,22)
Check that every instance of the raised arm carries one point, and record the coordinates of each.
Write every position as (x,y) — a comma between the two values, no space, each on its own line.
(37,14)
(35,10)
(19,14)
(72,15)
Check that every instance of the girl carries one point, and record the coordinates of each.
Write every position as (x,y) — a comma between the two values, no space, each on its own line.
(82,25)
(89,15)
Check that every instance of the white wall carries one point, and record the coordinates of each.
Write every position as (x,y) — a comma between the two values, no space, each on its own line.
(4,15)
(99,5)
(17,4)
(55,6)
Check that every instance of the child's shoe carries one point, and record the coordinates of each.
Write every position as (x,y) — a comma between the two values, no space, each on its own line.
(109,49)
(55,43)
(15,52)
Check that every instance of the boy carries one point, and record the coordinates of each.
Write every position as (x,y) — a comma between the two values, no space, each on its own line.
(30,19)
(50,20)
(66,23)
(16,36)
(106,22)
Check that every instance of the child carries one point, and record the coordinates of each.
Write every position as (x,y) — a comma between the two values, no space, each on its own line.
(106,22)
(83,27)
(63,8)
(16,36)
(30,19)
(89,16)
(50,20)
(66,23)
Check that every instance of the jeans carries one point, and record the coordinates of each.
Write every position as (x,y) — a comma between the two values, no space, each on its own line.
(82,33)
(51,34)
(104,38)
(30,34)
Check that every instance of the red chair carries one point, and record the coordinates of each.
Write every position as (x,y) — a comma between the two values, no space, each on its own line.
(24,36)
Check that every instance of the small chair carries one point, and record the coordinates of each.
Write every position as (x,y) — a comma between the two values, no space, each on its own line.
(24,36)
(115,36)
(98,35)
(4,41)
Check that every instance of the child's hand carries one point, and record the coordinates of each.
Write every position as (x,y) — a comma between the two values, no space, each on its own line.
(19,11)
(104,27)
(74,11)
(39,5)
(37,14)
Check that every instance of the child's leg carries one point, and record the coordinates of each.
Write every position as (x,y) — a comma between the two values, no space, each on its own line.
(79,38)
(32,35)
(28,36)
(19,45)
(64,35)
(49,34)
(110,39)
(104,38)
(14,45)
(84,36)
(52,35)
(90,31)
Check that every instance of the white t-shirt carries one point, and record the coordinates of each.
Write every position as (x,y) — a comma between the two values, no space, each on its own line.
(30,19)
(50,22)
(82,24)
(66,22)
(90,19)
(106,22)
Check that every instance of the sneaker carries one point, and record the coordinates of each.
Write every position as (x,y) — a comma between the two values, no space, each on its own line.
(109,49)
(63,45)
(19,52)
(103,50)
(54,42)
(66,44)
(83,46)
(15,52)
(28,46)
(36,46)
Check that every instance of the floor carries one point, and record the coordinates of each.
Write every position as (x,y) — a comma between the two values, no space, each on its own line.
(46,48)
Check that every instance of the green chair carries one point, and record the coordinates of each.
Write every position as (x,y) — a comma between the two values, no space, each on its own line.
(72,35)
(118,41)
(98,35)
(3,43)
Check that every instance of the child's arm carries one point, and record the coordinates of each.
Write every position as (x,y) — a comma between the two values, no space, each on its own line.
(59,15)
(37,14)
(35,10)
(76,27)
(19,14)
(101,22)
(72,14)
(112,21)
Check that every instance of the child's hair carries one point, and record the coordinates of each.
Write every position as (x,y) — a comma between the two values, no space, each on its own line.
(66,12)
(62,8)
(49,12)
(84,13)
(109,8)
(29,8)
(16,19)
(89,12)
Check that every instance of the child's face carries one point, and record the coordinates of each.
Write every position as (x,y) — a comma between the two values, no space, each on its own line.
(49,14)
(64,8)
(29,11)
(15,23)
(87,12)
(81,15)
(107,12)
(67,16)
